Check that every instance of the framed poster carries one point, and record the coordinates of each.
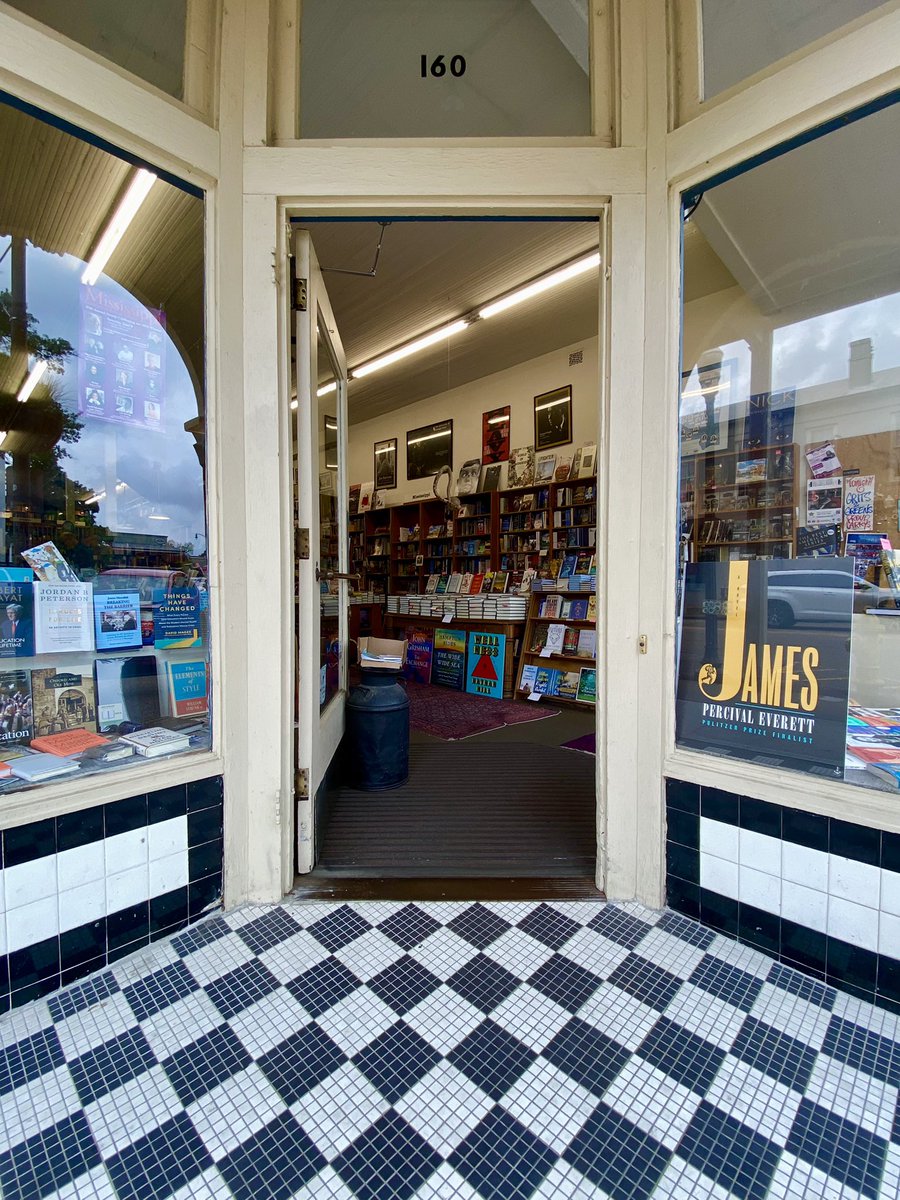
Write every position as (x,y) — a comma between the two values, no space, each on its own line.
(708,404)
(428,449)
(553,418)
(495,436)
(386,463)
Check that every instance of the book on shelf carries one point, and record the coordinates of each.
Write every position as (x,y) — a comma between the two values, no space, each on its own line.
(587,684)
(453,582)
(568,566)
(592,607)
(48,564)
(353,499)
(544,466)
(176,618)
(570,642)
(68,743)
(467,480)
(546,681)
(555,639)
(563,468)
(529,677)
(431,585)
(500,582)
(156,741)
(16,710)
(63,699)
(551,606)
(17,625)
(574,610)
(117,620)
(567,685)
(538,639)
(750,470)
(441,588)
(465,584)
(586,646)
(186,684)
(63,617)
(487,582)
(520,468)
(587,466)
(476,584)
(490,477)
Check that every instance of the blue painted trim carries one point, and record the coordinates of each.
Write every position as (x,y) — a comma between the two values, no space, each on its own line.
(100,143)
(691,197)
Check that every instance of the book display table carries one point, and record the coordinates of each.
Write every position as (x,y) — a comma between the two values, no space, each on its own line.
(396,625)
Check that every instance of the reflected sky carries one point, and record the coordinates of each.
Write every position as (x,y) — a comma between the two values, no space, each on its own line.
(163,481)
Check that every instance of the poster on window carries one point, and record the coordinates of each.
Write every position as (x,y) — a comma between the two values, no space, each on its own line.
(122,358)
(764,661)
(824,498)
(859,503)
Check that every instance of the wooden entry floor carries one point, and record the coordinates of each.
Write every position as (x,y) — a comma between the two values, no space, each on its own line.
(484,808)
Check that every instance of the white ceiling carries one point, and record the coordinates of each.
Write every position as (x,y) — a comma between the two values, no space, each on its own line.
(432,272)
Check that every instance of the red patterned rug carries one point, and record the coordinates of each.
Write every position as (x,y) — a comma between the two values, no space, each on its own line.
(453,715)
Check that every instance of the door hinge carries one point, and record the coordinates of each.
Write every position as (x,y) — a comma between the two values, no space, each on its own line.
(301,543)
(301,782)
(300,295)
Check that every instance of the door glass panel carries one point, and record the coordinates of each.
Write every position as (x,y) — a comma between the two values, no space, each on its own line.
(429,68)
(740,39)
(330,542)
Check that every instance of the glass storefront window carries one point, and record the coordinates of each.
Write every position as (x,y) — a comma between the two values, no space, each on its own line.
(789,588)
(428,68)
(146,39)
(740,39)
(104,635)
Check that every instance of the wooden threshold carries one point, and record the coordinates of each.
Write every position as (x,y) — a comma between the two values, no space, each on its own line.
(322,886)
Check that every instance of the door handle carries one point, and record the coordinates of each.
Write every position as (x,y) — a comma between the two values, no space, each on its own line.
(320,575)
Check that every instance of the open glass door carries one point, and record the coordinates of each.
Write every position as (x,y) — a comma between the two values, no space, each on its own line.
(320,490)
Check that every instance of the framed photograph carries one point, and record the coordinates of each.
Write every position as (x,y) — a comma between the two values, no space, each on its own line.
(553,418)
(386,463)
(708,406)
(495,436)
(428,449)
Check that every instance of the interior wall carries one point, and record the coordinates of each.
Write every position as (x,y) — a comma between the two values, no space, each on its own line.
(517,386)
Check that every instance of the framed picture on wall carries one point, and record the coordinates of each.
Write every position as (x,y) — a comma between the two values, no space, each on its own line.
(553,418)
(495,436)
(428,449)
(386,463)
(708,404)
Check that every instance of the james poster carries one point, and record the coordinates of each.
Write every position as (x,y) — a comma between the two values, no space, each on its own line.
(764,664)
(485,666)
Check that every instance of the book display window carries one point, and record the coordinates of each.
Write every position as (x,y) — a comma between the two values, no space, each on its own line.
(789,579)
(104,637)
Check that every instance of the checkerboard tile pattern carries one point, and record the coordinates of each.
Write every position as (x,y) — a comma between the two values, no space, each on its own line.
(396,1051)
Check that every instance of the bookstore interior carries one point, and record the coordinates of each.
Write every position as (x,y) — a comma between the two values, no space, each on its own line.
(471,499)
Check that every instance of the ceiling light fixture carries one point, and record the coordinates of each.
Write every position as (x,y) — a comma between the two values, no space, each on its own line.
(422,343)
(561,275)
(35,375)
(552,404)
(326,389)
(498,420)
(137,193)
(429,437)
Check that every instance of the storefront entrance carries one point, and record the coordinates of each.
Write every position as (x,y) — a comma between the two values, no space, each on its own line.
(446,494)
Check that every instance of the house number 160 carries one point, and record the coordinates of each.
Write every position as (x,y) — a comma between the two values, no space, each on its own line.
(438,66)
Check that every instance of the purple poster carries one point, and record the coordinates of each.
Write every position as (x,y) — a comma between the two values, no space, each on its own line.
(121,369)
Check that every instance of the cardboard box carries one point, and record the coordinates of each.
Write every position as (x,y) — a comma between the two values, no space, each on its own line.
(374,646)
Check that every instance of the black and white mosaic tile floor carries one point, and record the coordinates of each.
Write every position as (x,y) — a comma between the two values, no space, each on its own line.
(387,1050)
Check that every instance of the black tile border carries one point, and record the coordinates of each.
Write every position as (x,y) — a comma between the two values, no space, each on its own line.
(872,977)
(35,971)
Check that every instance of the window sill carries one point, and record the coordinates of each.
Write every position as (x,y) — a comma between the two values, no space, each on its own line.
(72,795)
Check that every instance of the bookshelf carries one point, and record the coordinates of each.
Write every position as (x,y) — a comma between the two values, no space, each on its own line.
(406,535)
(474,534)
(574,507)
(740,503)
(377,543)
(356,537)
(524,527)
(566,609)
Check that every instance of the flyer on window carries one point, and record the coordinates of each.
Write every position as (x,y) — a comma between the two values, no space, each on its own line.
(824,501)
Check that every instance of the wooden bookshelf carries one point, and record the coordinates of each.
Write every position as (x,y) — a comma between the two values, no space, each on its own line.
(535,636)
(475,534)
(740,503)
(574,508)
(523,527)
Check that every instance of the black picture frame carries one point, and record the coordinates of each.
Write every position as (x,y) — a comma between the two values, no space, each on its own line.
(428,449)
(385,470)
(553,418)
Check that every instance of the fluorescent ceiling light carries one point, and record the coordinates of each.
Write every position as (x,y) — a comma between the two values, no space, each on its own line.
(552,403)
(422,343)
(706,391)
(137,193)
(429,436)
(498,420)
(386,450)
(157,517)
(579,267)
(96,498)
(35,375)
(328,387)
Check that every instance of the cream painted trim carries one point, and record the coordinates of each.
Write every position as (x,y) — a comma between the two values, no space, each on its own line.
(850,70)
(201,57)
(601,721)
(441,172)
(74,794)
(791,789)
(686,40)
(76,83)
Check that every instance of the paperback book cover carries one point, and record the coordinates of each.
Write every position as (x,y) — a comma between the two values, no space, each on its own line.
(17,624)
(469,472)
(48,564)
(453,582)
(818,542)
(520,468)
(431,585)
(35,767)
(486,664)
(587,643)
(16,712)
(186,683)
(127,690)
(544,466)
(588,463)
(546,681)
(529,676)
(419,652)
(563,468)
(63,700)
(448,667)
(500,581)
(117,620)
(567,688)
(66,745)
(556,638)
(176,618)
(587,685)
(64,620)
(442,582)
(576,610)
(476,584)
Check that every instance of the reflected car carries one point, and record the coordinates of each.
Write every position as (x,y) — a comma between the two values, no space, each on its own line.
(820,596)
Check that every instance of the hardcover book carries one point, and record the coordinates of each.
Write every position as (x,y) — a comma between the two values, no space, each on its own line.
(63,700)
(117,620)
(453,583)
(16,713)
(419,652)
(567,688)
(35,767)
(587,643)
(68,744)
(556,638)
(442,582)
(500,581)
(570,642)
(544,466)
(431,585)
(48,564)
(520,468)
(63,617)
(563,468)
(529,676)
(587,685)
(546,681)
(186,683)
(490,480)
(469,472)
(151,743)
(17,624)
(588,463)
